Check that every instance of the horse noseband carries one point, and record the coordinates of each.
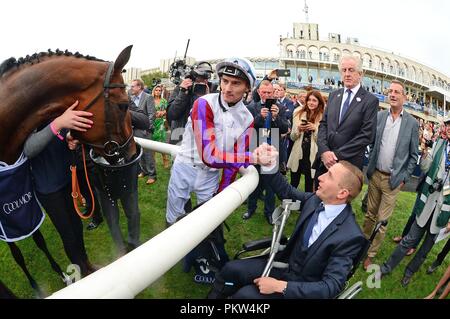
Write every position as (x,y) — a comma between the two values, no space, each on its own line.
(111,148)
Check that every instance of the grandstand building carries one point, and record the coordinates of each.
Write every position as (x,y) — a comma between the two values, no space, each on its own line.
(314,63)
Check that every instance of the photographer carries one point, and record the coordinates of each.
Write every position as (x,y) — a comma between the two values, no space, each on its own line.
(193,86)
(431,209)
(268,116)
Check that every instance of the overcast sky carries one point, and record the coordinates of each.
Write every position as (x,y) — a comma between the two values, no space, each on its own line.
(417,29)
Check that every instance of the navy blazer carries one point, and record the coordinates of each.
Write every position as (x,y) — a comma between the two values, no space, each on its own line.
(289,109)
(323,271)
(281,123)
(348,139)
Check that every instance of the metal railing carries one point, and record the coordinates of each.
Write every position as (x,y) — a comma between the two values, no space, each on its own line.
(134,272)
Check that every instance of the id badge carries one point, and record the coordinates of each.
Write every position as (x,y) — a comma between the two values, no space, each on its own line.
(446,189)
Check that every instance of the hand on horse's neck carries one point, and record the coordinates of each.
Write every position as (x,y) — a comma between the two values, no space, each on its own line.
(38,116)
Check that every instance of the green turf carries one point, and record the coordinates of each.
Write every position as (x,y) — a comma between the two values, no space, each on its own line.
(176,283)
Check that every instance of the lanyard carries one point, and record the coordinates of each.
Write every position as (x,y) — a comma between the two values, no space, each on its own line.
(447,161)
(267,126)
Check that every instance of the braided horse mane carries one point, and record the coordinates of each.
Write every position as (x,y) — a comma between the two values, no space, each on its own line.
(12,63)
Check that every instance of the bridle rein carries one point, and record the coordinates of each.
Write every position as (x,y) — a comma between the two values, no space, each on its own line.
(111,148)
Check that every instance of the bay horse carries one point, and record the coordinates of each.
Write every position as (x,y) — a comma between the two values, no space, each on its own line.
(38,88)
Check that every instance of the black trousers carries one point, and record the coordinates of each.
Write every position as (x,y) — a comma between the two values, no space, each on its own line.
(5,293)
(411,240)
(320,169)
(441,256)
(59,207)
(304,167)
(239,274)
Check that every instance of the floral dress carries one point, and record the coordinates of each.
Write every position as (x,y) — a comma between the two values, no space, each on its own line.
(159,133)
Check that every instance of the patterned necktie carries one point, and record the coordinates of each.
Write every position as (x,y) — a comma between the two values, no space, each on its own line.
(346,104)
(312,221)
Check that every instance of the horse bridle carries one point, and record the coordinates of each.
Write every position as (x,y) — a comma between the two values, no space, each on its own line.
(111,148)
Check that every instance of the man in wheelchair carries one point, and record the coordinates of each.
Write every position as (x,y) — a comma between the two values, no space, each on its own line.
(320,252)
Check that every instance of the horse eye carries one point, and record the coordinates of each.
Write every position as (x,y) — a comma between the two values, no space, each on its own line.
(123,106)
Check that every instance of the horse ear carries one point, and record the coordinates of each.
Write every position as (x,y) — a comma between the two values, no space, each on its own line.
(123,58)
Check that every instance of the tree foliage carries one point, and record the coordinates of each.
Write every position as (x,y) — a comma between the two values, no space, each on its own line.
(151,79)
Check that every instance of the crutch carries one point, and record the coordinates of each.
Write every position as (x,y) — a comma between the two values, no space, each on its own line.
(280,216)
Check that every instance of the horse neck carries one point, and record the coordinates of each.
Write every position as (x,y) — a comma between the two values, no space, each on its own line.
(37,94)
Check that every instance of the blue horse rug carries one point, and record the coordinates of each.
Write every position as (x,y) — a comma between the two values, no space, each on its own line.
(20,212)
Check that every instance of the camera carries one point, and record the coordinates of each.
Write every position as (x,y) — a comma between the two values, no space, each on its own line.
(283,72)
(155,82)
(436,186)
(270,102)
(178,70)
(429,143)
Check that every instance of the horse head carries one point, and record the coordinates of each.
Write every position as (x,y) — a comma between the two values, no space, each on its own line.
(36,89)
(112,133)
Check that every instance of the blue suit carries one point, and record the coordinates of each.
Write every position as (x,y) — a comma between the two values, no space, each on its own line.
(259,122)
(289,108)
(319,271)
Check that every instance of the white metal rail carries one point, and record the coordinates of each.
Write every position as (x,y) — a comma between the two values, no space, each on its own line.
(132,273)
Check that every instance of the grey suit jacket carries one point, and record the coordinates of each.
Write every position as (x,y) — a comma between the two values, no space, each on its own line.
(348,139)
(147,104)
(406,150)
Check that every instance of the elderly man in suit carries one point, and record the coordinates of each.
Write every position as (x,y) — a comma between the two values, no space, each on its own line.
(349,122)
(146,103)
(320,252)
(391,163)
(432,208)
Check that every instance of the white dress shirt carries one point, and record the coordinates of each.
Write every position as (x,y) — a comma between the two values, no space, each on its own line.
(354,91)
(137,98)
(325,219)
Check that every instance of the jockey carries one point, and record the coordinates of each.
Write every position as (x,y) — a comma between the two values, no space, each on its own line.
(217,136)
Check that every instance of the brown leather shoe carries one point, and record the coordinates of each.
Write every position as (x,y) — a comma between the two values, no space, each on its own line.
(397,239)
(141,175)
(367,263)
(410,251)
(150,181)
(166,162)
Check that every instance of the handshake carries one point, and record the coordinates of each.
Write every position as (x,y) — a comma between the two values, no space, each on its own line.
(265,155)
